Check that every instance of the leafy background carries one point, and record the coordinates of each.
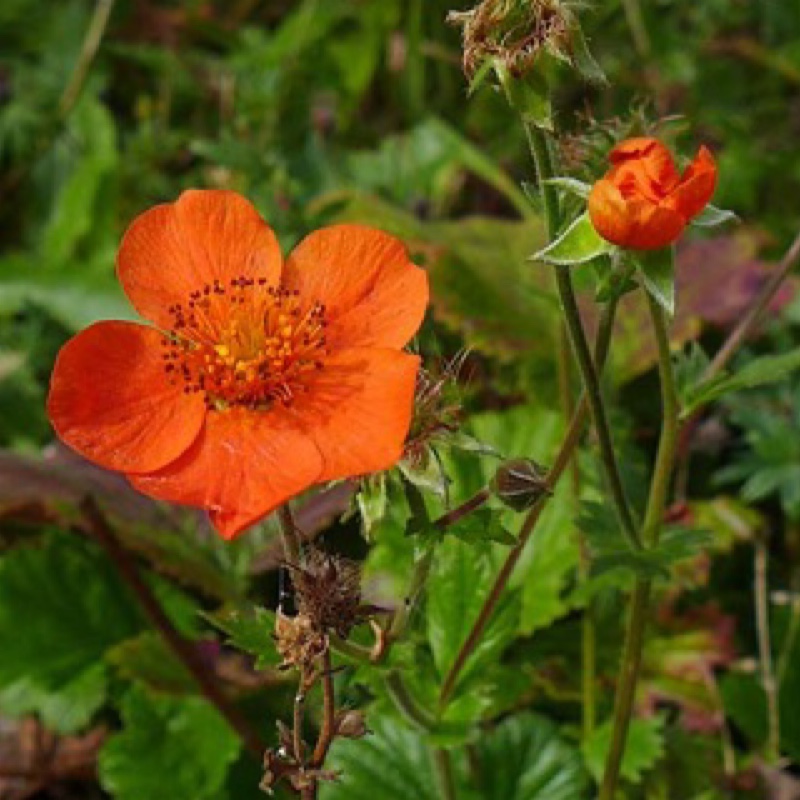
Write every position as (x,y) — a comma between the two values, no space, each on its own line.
(322,110)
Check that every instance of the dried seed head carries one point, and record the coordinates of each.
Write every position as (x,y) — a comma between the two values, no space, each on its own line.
(299,641)
(514,33)
(437,410)
(328,592)
(520,483)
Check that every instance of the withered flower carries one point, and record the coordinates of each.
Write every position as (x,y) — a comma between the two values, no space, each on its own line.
(328,592)
(513,34)
(299,641)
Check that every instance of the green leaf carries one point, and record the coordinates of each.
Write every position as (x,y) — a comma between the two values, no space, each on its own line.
(252,633)
(644,748)
(459,581)
(579,243)
(93,135)
(393,763)
(524,758)
(61,608)
(758,372)
(711,216)
(657,268)
(147,659)
(481,527)
(610,549)
(169,748)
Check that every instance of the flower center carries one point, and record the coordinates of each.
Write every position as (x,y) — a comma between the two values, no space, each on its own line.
(246,344)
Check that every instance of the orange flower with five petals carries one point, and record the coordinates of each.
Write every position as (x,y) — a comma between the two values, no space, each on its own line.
(643,202)
(258,378)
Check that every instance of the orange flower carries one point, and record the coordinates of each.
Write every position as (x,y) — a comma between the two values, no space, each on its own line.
(259,378)
(643,203)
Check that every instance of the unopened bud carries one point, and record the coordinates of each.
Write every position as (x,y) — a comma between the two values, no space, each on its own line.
(351,724)
(520,483)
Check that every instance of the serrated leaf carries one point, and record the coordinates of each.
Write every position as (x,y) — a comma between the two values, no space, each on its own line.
(524,758)
(61,608)
(579,243)
(394,762)
(169,748)
(643,750)
(711,216)
(760,371)
(459,581)
(482,527)
(251,633)
(657,268)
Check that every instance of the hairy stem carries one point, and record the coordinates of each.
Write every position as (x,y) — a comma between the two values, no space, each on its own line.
(100,529)
(756,311)
(459,512)
(89,48)
(292,547)
(562,459)
(654,515)
(540,150)
(768,681)
(327,731)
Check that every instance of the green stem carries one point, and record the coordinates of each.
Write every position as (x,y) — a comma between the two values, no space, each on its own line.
(291,541)
(560,464)
(654,515)
(444,773)
(404,702)
(540,151)
(626,690)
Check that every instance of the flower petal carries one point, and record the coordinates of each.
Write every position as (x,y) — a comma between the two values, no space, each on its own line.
(697,186)
(242,466)
(175,249)
(643,167)
(609,213)
(110,399)
(374,296)
(654,227)
(359,409)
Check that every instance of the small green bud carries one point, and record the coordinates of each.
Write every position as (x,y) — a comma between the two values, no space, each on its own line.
(520,483)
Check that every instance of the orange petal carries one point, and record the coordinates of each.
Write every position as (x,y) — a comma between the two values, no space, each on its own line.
(111,401)
(643,166)
(655,226)
(175,249)
(374,296)
(609,213)
(242,466)
(359,410)
(697,186)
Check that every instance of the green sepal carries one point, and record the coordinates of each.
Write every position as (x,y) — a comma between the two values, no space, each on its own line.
(711,217)
(571,186)
(657,268)
(528,95)
(579,243)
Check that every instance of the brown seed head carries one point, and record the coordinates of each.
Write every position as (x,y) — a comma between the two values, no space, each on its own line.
(514,33)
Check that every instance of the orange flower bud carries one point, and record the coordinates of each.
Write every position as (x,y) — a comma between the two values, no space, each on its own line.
(643,202)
